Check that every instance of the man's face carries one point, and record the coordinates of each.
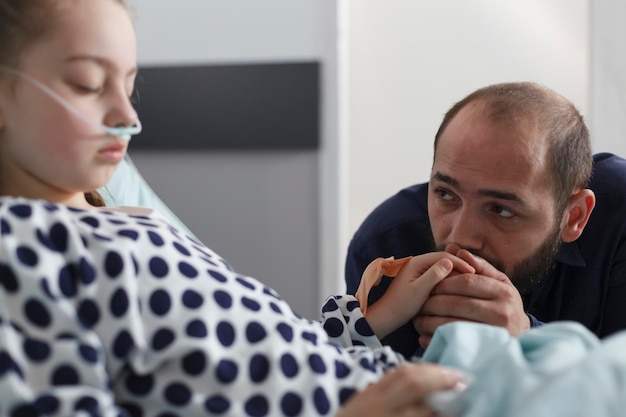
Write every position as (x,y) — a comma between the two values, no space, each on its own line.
(490,193)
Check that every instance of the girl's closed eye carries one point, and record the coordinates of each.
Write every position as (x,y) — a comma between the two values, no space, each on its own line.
(85,77)
(86,88)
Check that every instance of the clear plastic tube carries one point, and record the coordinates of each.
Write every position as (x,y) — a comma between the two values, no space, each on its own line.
(124,132)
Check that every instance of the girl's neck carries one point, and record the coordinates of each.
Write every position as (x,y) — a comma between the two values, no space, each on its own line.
(39,192)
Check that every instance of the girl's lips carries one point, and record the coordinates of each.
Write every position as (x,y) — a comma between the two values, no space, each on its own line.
(113,153)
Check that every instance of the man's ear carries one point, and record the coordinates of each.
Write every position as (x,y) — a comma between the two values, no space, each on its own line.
(577,213)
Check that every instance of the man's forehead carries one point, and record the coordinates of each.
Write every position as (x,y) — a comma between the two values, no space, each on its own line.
(501,147)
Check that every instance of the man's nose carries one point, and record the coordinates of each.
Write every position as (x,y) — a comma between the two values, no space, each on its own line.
(467,230)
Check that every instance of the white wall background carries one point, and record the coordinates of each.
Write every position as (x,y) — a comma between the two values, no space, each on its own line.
(411,60)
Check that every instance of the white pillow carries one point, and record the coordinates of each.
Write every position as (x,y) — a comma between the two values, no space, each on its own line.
(128,188)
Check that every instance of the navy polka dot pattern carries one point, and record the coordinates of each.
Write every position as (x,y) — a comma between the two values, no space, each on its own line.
(112,313)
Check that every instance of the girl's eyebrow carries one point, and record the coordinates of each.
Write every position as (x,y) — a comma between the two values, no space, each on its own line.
(99,61)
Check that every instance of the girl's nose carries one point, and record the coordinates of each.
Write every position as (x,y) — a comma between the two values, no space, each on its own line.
(121,113)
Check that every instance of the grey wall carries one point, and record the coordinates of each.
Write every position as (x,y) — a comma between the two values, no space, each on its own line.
(257,209)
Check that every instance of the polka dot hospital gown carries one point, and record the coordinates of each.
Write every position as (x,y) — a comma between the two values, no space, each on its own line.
(105,313)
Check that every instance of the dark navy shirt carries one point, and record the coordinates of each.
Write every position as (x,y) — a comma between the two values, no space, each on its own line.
(587,283)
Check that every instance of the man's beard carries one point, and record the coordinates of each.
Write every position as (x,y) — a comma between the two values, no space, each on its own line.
(529,272)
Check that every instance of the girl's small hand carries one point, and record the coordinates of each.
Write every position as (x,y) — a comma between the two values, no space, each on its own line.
(400,392)
(410,289)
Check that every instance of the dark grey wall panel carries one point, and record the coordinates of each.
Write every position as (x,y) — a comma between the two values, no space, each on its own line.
(246,107)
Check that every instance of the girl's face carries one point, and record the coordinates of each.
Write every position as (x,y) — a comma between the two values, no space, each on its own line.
(88,58)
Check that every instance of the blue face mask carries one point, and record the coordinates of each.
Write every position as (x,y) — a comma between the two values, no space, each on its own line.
(124,133)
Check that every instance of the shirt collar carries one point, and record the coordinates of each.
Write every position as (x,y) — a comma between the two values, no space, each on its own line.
(569,254)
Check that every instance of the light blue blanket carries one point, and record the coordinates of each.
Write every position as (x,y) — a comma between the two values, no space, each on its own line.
(558,369)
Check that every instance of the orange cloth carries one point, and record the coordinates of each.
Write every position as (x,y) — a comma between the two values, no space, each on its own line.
(372,275)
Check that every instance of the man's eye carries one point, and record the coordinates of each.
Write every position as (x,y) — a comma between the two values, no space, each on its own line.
(444,194)
(502,212)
